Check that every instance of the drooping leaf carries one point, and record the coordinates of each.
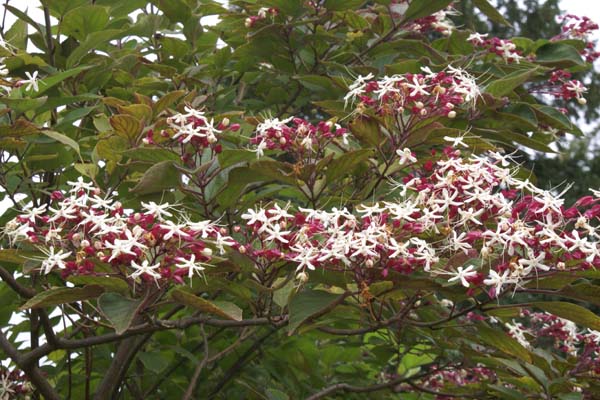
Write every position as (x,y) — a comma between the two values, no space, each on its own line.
(491,12)
(62,295)
(119,310)
(64,139)
(109,284)
(420,9)
(309,304)
(572,312)
(161,176)
(223,309)
(503,342)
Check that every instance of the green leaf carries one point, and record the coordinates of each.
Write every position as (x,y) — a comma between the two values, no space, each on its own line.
(556,119)
(309,304)
(367,132)
(223,309)
(23,105)
(64,139)
(503,342)
(119,310)
(342,5)
(491,12)
(126,126)
(109,284)
(156,361)
(559,55)
(275,394)
(92,42)
(345,164)
(14,256)
(150,154)
(420,9)
(80,22)
(56,296)
(229,157)
(17,34)
(158,177)
(51,81)
(503,86)
(167,101)
(572,312)
(582,291)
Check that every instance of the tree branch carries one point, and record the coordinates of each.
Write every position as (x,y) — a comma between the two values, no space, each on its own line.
(31,370)
(194,381)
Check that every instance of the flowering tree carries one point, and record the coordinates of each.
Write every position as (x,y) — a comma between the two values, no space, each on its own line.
(306,200)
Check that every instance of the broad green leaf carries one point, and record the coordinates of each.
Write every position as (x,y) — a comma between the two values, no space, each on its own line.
(64,139)
(559,55)
(140,112)
(17,34)
(229,157)
(21,127)
(56,296)
(126,126)
(581,291)
(505,85)
(367,131)
(223,309)
(92,42)
(572,312)
(342,5)
(151,154)
(161,176)
(108,283)
(156,361)
(80,22)
(503,342)
(551,116)
(345,163)
(23,105)
(420,9)
(53,80)
(14,256)
(491,12)
(309,304)
(87,169)
(119,310)
(167,101)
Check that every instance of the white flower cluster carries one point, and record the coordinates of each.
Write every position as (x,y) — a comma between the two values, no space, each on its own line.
(511,230)
(83,227)
(193,124)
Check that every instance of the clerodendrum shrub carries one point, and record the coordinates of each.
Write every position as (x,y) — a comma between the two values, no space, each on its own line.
(308,199)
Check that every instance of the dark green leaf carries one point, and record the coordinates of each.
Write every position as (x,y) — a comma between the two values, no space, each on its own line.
(309,304)
(56,296)
(161,176)
(119,310)
(223,309)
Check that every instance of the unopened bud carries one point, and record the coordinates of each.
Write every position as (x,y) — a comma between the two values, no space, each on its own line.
(419,104)
(369,263)
(560,266)
(248,22)
(145,141)
(282,141)
(452,114)
(207,252)
(225,122)
(242,249)
(582,101)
